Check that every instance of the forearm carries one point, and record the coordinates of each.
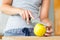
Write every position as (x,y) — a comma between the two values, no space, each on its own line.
(44,9)
(7,9)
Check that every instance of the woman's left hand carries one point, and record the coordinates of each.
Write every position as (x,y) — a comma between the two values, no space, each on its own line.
(49,27)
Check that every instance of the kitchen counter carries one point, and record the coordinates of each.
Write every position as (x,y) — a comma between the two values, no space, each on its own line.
(30,38)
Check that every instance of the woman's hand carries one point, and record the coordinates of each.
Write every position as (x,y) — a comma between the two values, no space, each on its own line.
(26,15)
(48,27)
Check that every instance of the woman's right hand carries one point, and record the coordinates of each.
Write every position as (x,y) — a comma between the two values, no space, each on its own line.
(7,8)
(26,15)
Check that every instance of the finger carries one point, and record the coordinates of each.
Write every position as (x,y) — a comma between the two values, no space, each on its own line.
(49,31)
(48,27)
(31,15)
(47,35)
(27,16)
(21,15)
(24,16)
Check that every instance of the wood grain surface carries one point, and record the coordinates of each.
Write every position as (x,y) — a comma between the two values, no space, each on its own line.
(30,38)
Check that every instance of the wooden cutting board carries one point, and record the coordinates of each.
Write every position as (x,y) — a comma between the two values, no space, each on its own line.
(30,38)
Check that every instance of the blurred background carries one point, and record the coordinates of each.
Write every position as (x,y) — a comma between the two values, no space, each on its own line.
(4,18)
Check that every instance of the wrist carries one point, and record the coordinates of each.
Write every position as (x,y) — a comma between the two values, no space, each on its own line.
(18,11)
(41,19)
(46,21)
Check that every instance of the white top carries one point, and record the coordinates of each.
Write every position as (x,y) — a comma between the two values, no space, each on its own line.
(16,21)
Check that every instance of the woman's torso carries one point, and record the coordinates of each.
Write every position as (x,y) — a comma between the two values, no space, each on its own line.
(16,21)
(32,5)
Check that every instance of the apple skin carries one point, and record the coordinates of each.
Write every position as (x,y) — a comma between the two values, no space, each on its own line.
(39,29)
